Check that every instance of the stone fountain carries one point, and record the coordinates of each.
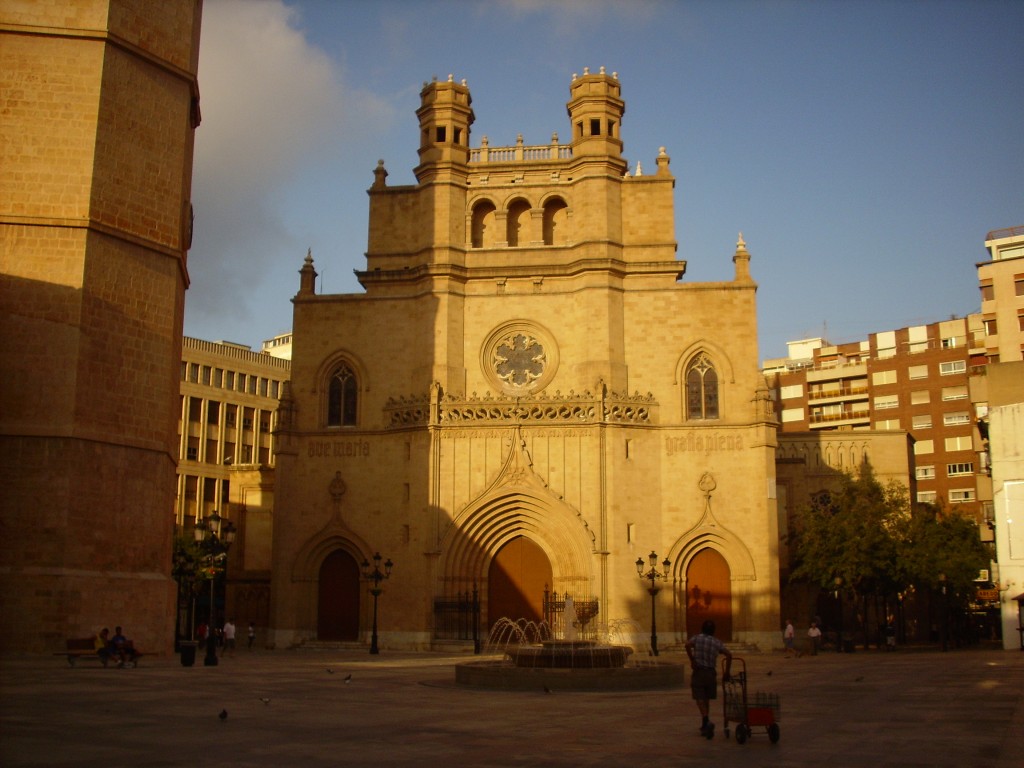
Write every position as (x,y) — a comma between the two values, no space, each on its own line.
(525,656)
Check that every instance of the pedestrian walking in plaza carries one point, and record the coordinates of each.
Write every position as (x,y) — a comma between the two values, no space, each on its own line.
(229,637)
(703,651)
(814,637)
(789,639)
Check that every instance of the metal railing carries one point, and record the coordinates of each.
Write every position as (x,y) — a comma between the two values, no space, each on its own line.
(457,617)
(999,234)
(822,394)
(821,418)
(586,609)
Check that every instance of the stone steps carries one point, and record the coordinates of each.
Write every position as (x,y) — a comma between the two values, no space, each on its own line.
(330,645)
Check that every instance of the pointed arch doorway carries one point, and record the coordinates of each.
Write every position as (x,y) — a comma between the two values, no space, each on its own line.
(709,594)
(515,582)
(338,598)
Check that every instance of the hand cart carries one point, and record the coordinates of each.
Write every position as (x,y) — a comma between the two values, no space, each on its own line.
(758,710)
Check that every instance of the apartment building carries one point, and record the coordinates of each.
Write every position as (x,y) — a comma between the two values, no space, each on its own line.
(279,346)
(1002,295)
(229,395)
(998,396)
(913,379)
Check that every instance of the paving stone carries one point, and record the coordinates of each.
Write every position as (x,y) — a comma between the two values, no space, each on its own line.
(902,709)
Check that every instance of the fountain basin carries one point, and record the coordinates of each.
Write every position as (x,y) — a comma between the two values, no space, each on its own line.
(499,674)
(569,654)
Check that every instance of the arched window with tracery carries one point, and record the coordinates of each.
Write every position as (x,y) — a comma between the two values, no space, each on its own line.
(342,397)
(701,388)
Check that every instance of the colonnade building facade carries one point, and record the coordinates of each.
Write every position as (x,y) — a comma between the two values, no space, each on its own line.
(526,397)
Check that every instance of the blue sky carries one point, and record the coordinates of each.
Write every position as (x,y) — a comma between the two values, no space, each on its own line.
(864,149)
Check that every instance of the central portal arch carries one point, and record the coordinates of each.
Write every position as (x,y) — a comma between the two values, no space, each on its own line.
(709,594)
(516,579)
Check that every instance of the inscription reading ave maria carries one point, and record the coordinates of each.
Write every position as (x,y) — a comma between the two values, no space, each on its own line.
(519,360)
(338,448)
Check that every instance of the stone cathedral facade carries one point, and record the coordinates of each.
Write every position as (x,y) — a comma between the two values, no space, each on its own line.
(526,397)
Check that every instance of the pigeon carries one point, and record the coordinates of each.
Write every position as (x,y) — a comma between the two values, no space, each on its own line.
(264,699)
(348,678)
(223,714)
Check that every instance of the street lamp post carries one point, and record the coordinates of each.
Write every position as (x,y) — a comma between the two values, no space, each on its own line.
(217,536)
(376,576)
(652,575)
(839,604)
(945,612)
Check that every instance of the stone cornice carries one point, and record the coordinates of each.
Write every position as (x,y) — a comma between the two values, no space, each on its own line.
(462,273)
(584,408)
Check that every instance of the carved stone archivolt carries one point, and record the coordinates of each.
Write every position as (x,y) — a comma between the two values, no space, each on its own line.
(573,408)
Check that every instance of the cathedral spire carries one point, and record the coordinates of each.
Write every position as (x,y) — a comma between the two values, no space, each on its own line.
(307,276)
(742,260)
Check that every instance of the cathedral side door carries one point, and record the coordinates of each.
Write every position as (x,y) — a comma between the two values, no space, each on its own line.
(515,582)
(338,598)
(709,594)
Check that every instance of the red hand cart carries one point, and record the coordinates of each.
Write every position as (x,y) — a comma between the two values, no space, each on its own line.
(748,711)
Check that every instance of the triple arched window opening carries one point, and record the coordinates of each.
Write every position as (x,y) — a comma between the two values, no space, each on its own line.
(519,224)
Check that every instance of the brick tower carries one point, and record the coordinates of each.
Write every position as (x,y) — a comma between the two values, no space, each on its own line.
(100,104)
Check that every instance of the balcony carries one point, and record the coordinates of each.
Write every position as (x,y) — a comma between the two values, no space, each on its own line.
(520,153)
(844,392)
(839,419)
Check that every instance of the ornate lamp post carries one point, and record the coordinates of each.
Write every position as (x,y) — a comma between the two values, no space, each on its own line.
(839,603)
(945,612)
(652,575)
(376,576)
(217,536)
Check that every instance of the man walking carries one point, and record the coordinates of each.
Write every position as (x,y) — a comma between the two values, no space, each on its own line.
(703,650)
(789,640)
(229,637)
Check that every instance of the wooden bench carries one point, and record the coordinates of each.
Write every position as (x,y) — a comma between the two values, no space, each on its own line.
(85,648)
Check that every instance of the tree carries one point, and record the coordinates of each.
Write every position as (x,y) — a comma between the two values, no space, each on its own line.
(866,540)
(848,534)
(942,545)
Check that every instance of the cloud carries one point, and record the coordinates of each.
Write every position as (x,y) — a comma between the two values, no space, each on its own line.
(274,107)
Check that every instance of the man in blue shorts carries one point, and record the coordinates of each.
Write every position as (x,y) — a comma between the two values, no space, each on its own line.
(703,650)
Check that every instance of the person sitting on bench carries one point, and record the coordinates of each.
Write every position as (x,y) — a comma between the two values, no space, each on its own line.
(103,646)
(121,648)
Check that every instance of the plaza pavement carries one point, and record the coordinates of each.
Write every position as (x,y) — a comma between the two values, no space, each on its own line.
(294,708)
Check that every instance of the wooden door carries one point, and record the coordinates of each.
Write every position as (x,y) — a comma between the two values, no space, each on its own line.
(338,598)
(709,594)
(516,580)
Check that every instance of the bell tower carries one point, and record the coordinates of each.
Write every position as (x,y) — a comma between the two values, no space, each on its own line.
(445,115)
(595,110)
(101,105)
